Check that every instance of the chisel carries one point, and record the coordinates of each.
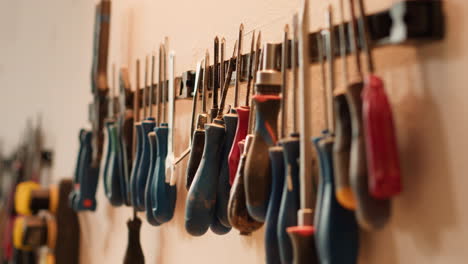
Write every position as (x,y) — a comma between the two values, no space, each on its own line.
(238,215)
(277,166)
(336,228)
(290,200)
(371,213)
(230,123)
(302,236)
(379,129)
(201,199)
(137,141)
(267,105)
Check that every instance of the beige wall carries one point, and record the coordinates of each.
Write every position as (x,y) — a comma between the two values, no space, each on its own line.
(45,51)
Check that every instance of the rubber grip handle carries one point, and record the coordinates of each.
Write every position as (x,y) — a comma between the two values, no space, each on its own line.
(224,187)
(106,156)
(163,195)
(303,244)
(271,237)
(290,199)
(113,171)
(382,149)
(149,181)
(198,143)
(337,236)
(142,173)
(257,167)
(125,138)
(341,152)
(371,213)
(78,169)
(218,228)
(134,253)
(136,163)
(201,198)
(243,113)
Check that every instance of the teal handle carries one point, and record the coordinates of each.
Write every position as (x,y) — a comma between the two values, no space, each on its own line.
(136,164)
(218,228)
(201,199)
(149,181)
(106,156)
(113,171)
(142,173)
(78,168)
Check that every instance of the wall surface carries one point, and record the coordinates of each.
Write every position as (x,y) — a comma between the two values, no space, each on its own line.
(45,51)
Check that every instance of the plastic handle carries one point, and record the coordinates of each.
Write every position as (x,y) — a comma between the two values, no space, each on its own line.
(113,171)
(78,169)
(136,164)
(224,187)
(341,153)
(106,156)
(237,208)
(382,150)
(290,199)
(257,168)
(271,237)
(218,228)
(198,143)
(134,252)
(336,228)
(125,136)
(243,113)
(142,173)
(303,244)
(163,194)
(201,199)
(149,181)
(371,213)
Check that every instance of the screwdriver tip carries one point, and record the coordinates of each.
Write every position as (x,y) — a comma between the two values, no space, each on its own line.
(241,27)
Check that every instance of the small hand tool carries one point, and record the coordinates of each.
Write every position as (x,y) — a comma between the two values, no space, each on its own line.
(137,141)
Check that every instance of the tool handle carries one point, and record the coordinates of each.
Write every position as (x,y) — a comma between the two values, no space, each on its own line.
(243,113)
(290,199)
(149,181)
(113,171)
(303,241)
(218,228)
(136,163)
(201,199)
(142,174)
(198,143)
(125,138)
(134,252)
(257,168)
(163,194)
(271,237)
(224,187)
(341,152)
(106,156)
(382,148)
(337,235)
(78,169)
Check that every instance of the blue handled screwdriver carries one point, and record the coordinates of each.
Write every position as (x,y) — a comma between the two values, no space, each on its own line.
(137,141)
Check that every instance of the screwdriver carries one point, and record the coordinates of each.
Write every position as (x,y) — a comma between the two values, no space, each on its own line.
(238,215)
(215,79)
(163,192)
(137,141)
(290,200)
(198,138)
(267,105)
(302,236)
(277,166)
(342,146)
(382,150)
(371,213)
(153,144)
(230,123)
(201,199)
(107,144)
(336,227)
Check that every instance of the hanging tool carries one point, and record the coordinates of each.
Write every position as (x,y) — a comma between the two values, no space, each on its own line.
(215,79)
(153,144)
(238,215)
(342,146)
(163,191)
(267,105)
(302,236)
(137,140)
(336,228)
(381,143)
(134,252)
(243,114)
(230,122)
(198,134)
(371,213)
(277,165)
(201,199)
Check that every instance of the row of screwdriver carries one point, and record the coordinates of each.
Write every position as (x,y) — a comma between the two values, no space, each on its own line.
(241,172)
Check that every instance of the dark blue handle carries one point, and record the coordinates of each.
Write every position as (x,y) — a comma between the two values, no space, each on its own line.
(271,237)
(224,187)
(163,195)
(106,156)
(336,227)
(149,181)
(142,173)
(201,198)
(78,169)
(124,136)
(136,164)
(218,228)
(113,171)
(290,202)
